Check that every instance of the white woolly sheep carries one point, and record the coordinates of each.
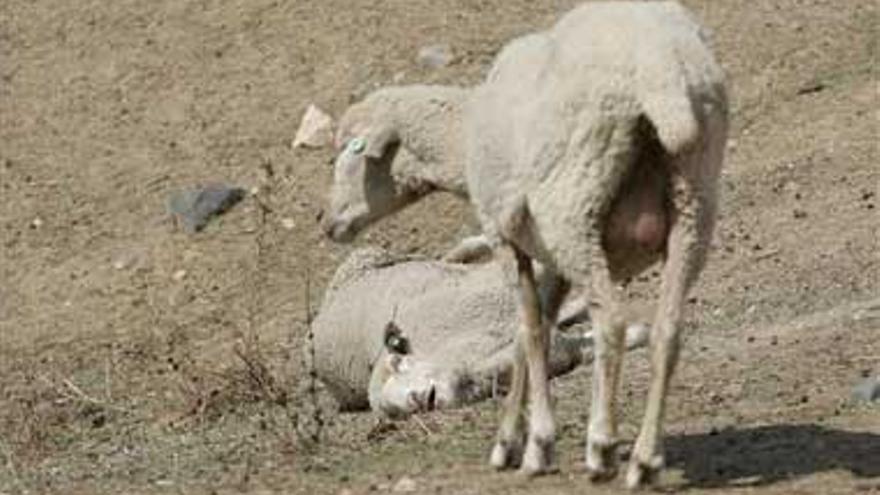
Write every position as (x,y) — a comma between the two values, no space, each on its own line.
(594,148)
(385,339)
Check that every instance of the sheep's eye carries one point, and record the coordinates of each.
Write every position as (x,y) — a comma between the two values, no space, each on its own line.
(357,145)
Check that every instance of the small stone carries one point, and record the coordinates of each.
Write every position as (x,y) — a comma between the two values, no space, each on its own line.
(124,261)
(37,223)
(405,485)
(435,56)
(288,223)
(179,275)
(811,87)
(193,208)
(315,130)
(868,390)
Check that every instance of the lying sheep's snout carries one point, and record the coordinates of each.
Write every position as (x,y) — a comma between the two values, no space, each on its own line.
(432,398)
(424,401)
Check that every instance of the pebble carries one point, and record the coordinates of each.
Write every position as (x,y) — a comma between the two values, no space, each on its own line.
(315,129)
(124,261)
(868,390)
(179,275)
(435,56)
(405,485)
(195,207)
(288,223)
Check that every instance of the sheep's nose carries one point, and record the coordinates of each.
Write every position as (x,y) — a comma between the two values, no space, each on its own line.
(424,401)
(432,398)
(326,222)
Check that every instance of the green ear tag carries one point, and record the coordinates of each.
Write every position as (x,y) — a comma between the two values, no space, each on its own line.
(357,145)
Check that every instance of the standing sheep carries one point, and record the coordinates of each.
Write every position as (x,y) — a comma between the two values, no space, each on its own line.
(594,148)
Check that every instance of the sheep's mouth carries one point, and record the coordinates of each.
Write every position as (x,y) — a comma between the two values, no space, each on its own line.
(425,401)
(341,231)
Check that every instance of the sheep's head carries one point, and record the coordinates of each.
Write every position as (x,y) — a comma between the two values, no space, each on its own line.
(405,384)
(365,188)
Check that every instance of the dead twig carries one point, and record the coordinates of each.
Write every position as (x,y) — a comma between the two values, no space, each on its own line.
(72,392)
(421,424)
(767,254)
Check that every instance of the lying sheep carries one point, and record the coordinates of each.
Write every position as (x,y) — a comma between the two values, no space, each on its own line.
(595,148)
(400,335)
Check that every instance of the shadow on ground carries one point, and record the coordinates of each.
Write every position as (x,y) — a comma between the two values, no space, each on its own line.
(768,454)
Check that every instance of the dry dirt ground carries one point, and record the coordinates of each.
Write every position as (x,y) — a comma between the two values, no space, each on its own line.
(137,358)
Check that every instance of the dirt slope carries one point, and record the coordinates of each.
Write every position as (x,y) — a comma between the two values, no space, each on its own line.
(136,357)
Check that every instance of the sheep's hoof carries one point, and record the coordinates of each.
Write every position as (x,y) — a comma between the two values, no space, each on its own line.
(641,474)
(538,459)
(506,455)
(602,460)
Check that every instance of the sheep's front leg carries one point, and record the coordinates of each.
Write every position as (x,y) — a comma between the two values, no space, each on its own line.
(610,335)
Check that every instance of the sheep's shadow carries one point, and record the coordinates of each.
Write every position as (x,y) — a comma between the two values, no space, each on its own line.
(768,454)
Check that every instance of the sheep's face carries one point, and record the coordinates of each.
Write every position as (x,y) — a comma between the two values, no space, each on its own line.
(364,187)
(406,385)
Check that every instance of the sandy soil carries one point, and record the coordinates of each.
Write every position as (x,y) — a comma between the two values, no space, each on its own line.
(137,358)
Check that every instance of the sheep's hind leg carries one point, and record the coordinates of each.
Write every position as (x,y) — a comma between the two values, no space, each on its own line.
(508,448)
(509,444)
(610,335)
(539,456)
(686,250)
(530,376)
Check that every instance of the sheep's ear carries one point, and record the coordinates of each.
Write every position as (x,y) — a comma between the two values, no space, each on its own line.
(393,363)
(378,141)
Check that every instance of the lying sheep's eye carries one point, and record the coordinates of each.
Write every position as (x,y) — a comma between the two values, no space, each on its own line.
(357,145)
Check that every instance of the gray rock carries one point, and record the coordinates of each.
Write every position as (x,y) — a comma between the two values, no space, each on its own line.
(435,56)
(193,208)
(868,390)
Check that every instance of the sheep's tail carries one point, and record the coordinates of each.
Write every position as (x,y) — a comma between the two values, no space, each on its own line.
(671,110)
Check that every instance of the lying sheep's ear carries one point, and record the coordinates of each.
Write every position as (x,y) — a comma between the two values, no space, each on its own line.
(378,141)
(393,363)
